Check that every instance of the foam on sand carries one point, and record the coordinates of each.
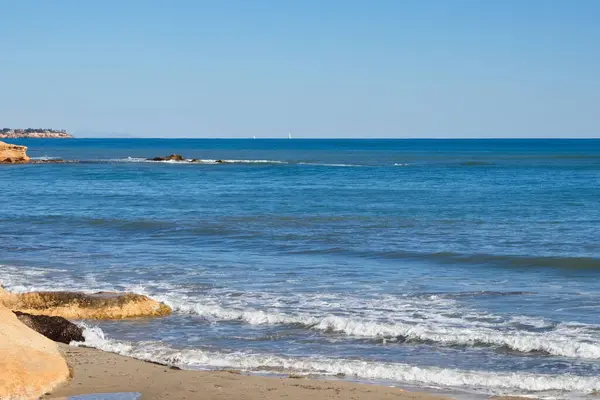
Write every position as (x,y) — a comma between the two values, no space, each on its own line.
(403,373)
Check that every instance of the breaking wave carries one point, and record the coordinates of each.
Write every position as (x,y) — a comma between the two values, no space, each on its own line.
(519,333)
(369,370)
(559,342)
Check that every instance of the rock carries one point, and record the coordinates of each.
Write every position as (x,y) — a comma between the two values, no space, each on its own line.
(13,154)
(172,157)
(53,161)
(76,305)
(30,364)
(57,329)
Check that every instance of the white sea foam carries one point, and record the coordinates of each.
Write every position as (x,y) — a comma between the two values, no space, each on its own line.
(550,342)
(45,158)
(439,321)
(402,373)
(566,340)
(243,162)
(29,279)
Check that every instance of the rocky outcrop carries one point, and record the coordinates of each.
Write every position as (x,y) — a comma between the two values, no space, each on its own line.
(57,329)
(172,157)
(179,157)
(30,364)
(54,161)
(76,305)
(197,160)
(13,154)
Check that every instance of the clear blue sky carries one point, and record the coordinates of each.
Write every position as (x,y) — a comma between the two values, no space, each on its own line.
(328,68)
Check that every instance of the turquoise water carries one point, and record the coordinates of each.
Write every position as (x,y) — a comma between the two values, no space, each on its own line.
(466,265)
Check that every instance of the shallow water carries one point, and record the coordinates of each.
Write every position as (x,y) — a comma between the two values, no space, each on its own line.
(456,264)
(104,396)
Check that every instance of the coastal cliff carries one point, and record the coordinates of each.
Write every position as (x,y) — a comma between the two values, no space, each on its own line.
(31,364)
(29,133)
(13,154)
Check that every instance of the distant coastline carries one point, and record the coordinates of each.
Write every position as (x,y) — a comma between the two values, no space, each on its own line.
(37,133)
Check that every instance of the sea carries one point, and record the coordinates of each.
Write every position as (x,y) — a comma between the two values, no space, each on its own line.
(468,267)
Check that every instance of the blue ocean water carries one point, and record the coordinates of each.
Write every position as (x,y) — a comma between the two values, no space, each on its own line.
(465,265)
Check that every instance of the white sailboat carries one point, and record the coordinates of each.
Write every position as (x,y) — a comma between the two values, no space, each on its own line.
(290,135)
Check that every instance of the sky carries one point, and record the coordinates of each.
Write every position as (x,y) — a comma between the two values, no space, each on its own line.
(328,68)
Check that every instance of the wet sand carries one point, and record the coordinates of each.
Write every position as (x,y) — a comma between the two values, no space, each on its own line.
(95,371)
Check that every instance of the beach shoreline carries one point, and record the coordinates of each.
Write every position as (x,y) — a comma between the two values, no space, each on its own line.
(97,371)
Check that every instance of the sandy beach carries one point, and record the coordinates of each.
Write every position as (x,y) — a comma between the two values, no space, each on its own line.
(95,371)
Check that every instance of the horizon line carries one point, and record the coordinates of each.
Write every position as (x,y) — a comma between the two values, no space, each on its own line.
(344,138)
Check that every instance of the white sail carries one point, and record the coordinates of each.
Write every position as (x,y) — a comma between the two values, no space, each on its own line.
(289,135)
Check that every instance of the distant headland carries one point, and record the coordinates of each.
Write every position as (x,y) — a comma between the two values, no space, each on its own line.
(8,133)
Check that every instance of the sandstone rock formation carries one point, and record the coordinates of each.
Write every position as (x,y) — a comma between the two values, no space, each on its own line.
(57,329)
(30,364)
(75,305)
(13,154)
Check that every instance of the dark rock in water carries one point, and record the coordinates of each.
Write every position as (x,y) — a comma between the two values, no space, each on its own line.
(172,157)
(196,160)
(54,328)
(219,161)
(52,161)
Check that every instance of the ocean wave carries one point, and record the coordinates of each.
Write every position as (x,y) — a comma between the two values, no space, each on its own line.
(525,261)
(558,343)
(508,260)
(435,319)
(370,370)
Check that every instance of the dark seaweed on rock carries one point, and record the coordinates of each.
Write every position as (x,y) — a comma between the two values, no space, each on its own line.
(55,328)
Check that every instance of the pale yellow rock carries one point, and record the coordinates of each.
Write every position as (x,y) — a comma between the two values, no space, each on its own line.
(30,364)
(13,154)
(75,305)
